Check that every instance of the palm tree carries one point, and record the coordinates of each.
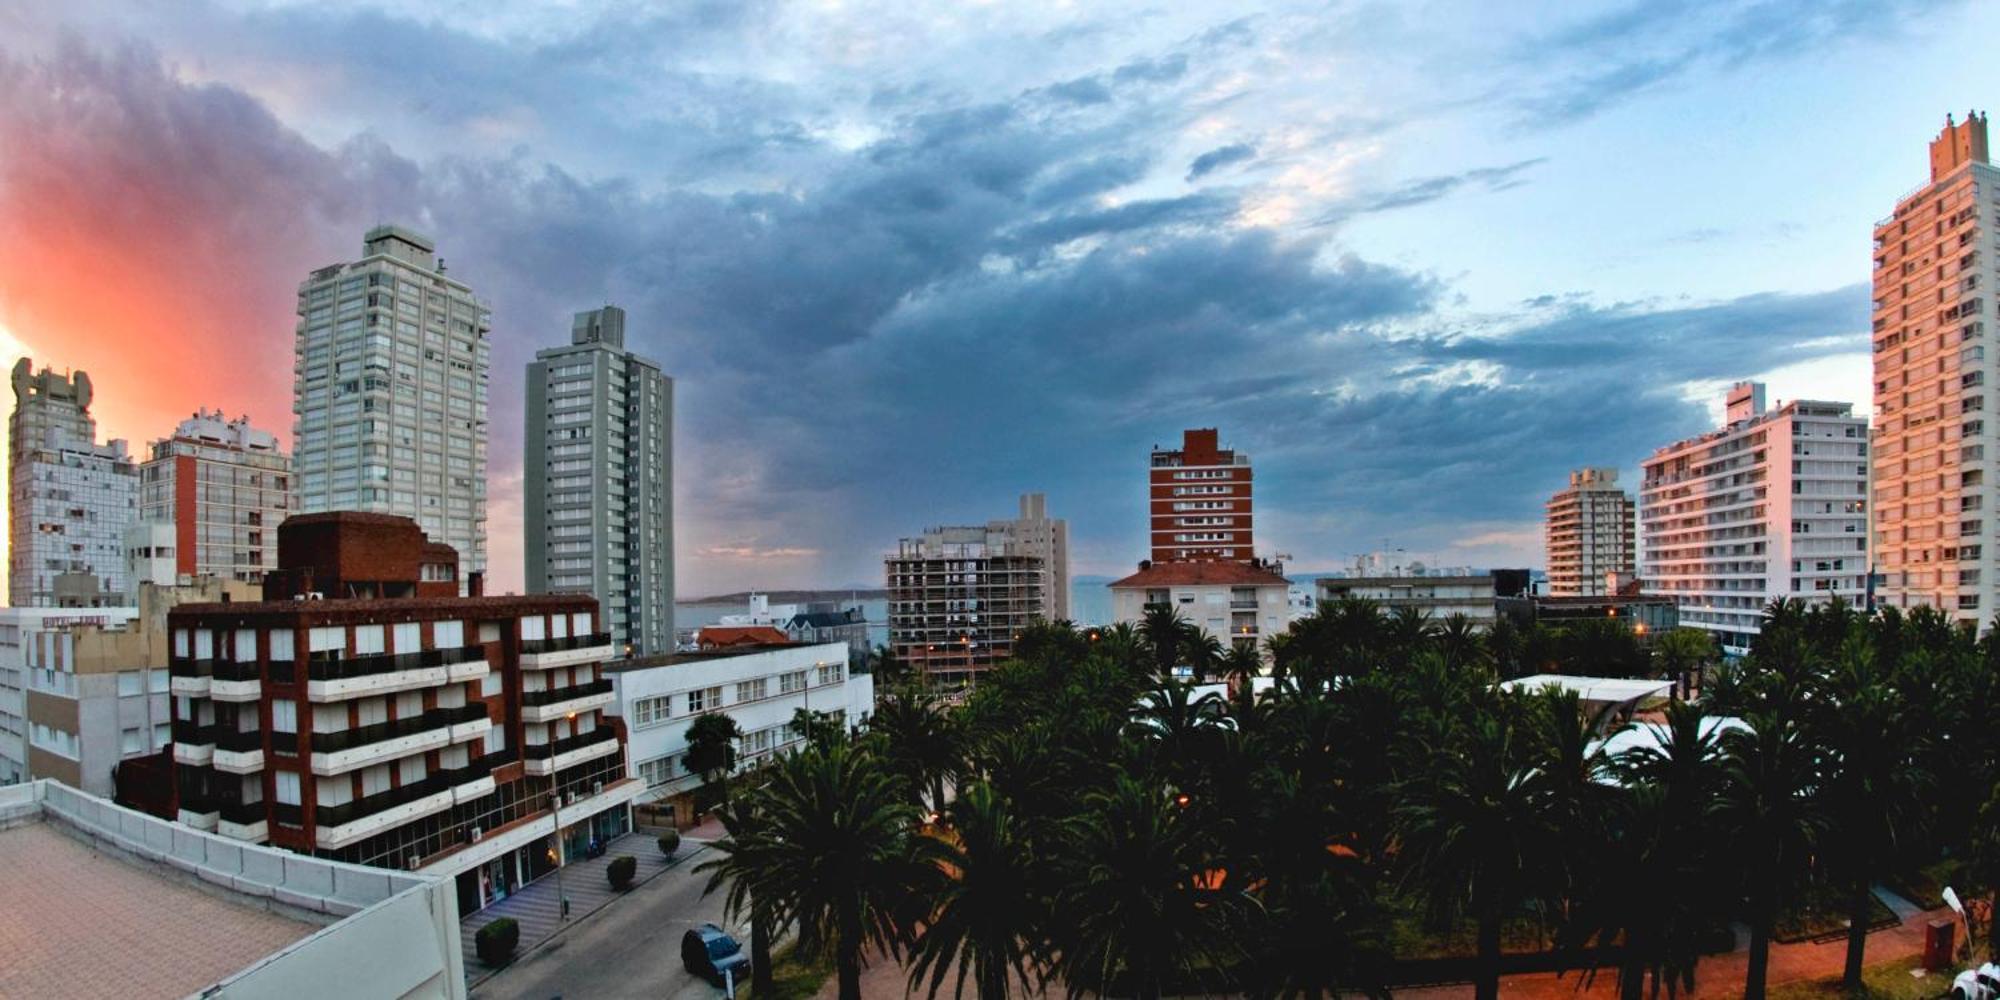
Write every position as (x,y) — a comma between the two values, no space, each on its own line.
(742,818)
(1165,632)
(1473,826)
(1177,730)
(1459,640)
(1241,666)
(1765,809)
(1142,909)
(836,854)
(985,918)
(919,742)
(1204,652)
(1680,653)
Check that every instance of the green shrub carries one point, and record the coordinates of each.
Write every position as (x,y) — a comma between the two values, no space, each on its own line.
(670,842)
(495,942)
(621,870)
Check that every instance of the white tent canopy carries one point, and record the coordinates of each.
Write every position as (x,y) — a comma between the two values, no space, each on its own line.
(1599,693)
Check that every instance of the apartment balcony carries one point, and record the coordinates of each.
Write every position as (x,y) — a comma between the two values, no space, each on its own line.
(547,654)
(339,679)
(190,678)
(194,744)
(341,825)
(243,822)
(569,751)
(201,815)
(344,750)
(238,752)
(547,706)
(235,682)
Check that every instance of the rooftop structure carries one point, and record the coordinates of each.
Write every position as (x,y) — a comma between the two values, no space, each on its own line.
(1474,595)
(1199,501)
(99,900)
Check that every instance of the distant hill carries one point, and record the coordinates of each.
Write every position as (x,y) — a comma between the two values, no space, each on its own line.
(791,596)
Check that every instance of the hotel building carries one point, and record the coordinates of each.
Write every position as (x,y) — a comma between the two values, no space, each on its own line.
(225,487)
(598,463)
(1589,533)
(364,712)
(1936,539)
(1199,497)
(1773,505)
(390,368)
(70,499)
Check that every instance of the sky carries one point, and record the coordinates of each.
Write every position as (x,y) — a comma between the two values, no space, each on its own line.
(907,261)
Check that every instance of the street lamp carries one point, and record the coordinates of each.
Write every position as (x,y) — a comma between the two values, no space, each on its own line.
(555,812)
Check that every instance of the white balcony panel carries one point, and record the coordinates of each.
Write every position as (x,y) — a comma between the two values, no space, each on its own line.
(374,684)
(472,789)
(342,761)
(330,837)
(565,657)
(474,730)
(544,765)
(238,691)
(471,670)
(255,833)
(235,762)
(200,821)
(189,687)
(558,709)
(196,754)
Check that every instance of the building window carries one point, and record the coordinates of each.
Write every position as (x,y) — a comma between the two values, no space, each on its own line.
(750,690)
(648,711)
(788,683)
(703,699)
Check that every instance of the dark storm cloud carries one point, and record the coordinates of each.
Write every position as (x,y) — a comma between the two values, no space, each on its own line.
(1219,157)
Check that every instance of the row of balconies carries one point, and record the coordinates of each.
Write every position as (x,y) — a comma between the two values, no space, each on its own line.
(546,758)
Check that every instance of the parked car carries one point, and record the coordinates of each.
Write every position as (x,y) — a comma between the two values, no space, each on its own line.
(708,951)
(1982,983)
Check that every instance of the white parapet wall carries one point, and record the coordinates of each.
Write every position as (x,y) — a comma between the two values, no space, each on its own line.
(387,933)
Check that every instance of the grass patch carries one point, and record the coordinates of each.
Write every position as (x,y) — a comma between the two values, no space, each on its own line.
(1824,912)
(1413,936)
(1887,981)
(792,976)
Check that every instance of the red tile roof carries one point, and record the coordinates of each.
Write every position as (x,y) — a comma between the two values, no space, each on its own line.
(714,636)
(1202,574)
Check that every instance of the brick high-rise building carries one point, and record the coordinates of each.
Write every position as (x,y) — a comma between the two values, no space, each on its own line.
(1199,499)
(1937,436)
(70,499)
(389,371)
(364,712)
(225,486)
(1589,533)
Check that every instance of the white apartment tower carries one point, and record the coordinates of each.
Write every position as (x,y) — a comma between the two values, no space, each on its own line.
(1771,506)
(390,369)
(599,491)
(224,486)
(1934,270)
(1589,530)
(70,499)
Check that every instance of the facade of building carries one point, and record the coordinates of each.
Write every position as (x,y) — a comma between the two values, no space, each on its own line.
(1199,500)
(1772,505)
(1236,602)
(1035,533)
(1590,533)
(406,727)
(70,499)
(1937,265)
(83,690)
(599,486)
(760,687)
(225,486)
(1474,595)
(959,596)
(389,394)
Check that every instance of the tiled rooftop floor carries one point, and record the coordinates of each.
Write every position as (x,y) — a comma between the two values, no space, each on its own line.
(75,923)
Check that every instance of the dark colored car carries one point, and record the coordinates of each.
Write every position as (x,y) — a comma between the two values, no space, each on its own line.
(708,951)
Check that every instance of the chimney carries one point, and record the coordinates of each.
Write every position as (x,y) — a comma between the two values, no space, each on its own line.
(475,584)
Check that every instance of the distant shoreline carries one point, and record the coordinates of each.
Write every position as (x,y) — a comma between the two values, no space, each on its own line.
(790,596)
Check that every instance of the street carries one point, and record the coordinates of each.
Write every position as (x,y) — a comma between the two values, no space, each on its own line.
(630,948)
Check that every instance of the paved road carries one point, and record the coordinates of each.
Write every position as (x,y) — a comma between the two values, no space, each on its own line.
(630,948)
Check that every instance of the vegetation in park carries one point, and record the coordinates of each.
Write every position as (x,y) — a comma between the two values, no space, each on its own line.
(1084,823)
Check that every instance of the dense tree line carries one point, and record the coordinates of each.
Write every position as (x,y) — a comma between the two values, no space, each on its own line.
(1084,822)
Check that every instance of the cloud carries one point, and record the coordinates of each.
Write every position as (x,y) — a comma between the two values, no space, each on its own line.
(1219,157)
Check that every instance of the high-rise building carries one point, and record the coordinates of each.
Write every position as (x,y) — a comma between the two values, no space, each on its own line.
(225,487)
(960,595)
(599,491)
(70,499)
(1936,542)
(391,723)
(1199,500)
(1589,531)
(390,370)
(1772,505)
(1037,534)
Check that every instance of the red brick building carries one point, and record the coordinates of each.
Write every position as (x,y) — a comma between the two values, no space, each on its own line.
(364,712)
(1200,502)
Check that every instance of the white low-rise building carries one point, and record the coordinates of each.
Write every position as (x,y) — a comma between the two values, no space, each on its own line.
(1236,602)
(659,697)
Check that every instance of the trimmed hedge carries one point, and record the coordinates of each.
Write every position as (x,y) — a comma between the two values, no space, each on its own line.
(495,942)
(670,842)
(621,870)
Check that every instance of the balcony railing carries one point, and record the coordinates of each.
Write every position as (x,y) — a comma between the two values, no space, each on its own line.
(531,699)
(187,666)
(236,741)
(532,646)
(242,813)
(544,751)
(437,718)
(369,805)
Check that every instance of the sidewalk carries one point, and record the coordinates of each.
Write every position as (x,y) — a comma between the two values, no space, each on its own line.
(536,908)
